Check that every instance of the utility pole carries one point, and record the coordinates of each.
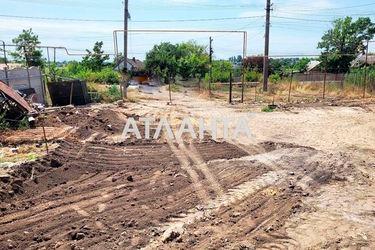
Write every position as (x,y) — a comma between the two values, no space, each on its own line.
(211,53)
(266,46)
(125,71)
(366,69)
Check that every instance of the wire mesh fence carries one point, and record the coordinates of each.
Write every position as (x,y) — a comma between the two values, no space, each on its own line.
(305,86)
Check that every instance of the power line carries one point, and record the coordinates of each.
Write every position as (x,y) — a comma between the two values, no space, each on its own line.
(327,15)
(225,6)
(135,21)
(337,8)
(302,19)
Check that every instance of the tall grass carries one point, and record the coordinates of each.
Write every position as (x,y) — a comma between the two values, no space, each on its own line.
(357,77)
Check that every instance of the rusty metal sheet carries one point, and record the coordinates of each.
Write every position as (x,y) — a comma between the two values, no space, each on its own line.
(13,95)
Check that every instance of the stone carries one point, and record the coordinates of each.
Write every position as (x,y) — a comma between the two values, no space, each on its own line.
(14,150)
(172,234)
(77,235)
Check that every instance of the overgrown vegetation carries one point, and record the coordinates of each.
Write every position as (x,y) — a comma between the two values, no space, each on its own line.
(279,66)
(24,124)
(357,77)
(175,88)
(220,71)
(106,75)
(253,76)
(104,93)
(268,109)
(344,42)
(167,60)
(3,123)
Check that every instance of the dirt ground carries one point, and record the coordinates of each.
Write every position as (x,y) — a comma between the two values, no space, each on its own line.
(302,180)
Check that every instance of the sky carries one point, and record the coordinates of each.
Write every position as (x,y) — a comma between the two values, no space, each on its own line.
(296,26)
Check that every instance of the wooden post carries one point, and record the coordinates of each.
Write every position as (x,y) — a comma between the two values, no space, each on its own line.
(45,136)
(210,72)
(290,86)
(324,84)
(170,93)
(6,76)
(342,75)
(366,66)
(230,87)
(243,83)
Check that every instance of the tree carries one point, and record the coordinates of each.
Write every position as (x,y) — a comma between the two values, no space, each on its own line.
(236,60)
(95,60)
(161,61)
(186,59)
(344,41)
(301,65)
(26,49)
(220,71)
(192,60)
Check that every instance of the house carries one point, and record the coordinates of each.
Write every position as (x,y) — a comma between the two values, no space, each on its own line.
(133,65)
(136,67)
(361,60)
(313,66)
(10,66)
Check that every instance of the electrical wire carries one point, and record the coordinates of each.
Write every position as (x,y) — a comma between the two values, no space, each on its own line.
(135,21)
(336,8)
(303,19)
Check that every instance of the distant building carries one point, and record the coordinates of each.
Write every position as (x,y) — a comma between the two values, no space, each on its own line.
(136,67)
(313,66)
(361,60)
(10,66)
(133,65)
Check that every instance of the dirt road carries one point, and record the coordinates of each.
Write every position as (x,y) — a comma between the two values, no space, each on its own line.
(303,180)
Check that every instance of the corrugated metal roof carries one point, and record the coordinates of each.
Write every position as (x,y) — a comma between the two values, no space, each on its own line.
(10,65)
(312,65)
(10,93)
(361,60)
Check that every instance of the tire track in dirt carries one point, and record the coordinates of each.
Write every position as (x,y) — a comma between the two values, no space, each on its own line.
(231,197)
(275,161)
(185,165)
(53,209)
(200,164)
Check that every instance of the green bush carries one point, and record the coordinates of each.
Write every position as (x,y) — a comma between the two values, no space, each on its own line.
(175,88)
(220,71)
(78,70)
(253,76)
(112,94)
(274,78)
(267,109)
(24,124)
(107,76)
(3,123)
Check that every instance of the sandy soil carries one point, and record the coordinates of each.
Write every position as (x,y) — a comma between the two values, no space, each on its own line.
(303,180)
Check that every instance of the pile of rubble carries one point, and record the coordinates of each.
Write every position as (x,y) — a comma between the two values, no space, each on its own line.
(14,108)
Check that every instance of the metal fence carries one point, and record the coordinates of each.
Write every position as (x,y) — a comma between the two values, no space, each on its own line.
(299,87)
